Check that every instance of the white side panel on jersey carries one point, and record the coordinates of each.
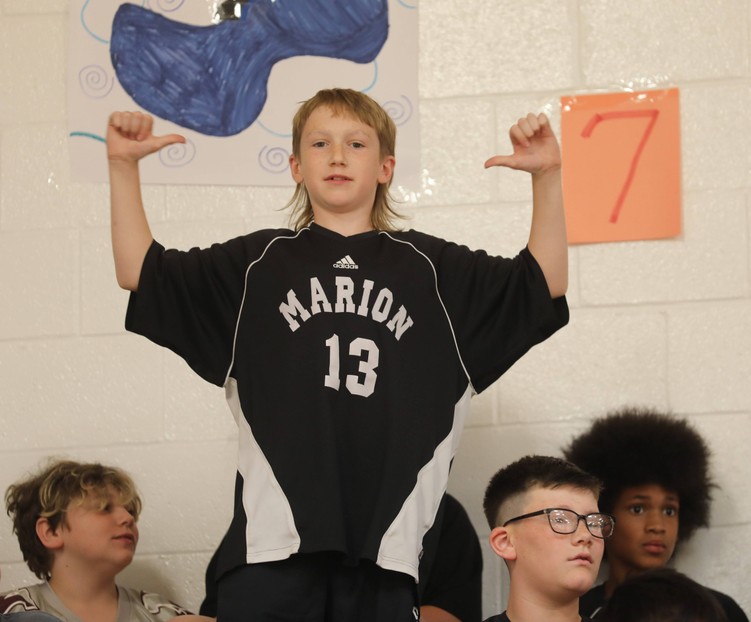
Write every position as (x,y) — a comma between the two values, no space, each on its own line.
(269,514)
(402,542)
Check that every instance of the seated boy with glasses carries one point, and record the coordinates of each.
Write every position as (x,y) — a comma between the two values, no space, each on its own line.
(547,528)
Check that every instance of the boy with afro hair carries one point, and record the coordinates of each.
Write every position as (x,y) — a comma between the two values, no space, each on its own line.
(657,484)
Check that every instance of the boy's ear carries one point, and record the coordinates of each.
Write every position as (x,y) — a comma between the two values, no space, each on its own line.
(502,543)
(294,167)
(387,169)
(49,537)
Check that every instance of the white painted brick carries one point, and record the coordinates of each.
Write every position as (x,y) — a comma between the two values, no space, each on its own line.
(690,40)
(601,360)
(707,261)
(708,112)
(717,558)
(728,438)
(193,408)
(103,302)
(483,409)
(36,192)
(457,138)
(188,493)
(573,295)
(495,582)
(32,68)
(475,48)
(93,203)
(79,392)
(710,357)
(39,281)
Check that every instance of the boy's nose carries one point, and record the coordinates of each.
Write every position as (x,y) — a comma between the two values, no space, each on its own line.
(656,523)
(337,154)
(124,516)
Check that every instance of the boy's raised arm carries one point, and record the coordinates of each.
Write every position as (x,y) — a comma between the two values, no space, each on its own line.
(129,138)
(536,151)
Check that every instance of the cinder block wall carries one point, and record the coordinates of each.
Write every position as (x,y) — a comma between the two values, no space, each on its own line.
(662,323)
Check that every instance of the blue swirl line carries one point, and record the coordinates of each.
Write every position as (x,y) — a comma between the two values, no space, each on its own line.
(272,132)
(88,135)
(375,77)
(86,28)
(406,6)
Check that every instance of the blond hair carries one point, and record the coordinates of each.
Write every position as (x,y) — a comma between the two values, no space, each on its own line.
(366,110)
(49,493)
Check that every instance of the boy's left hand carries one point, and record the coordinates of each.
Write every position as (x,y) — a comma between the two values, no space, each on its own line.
(535,147)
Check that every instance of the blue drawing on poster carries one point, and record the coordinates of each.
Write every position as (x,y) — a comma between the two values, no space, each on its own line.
(212,79)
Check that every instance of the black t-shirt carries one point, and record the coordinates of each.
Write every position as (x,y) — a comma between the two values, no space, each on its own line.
(348,364)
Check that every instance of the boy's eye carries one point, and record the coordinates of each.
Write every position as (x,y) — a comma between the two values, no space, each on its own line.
(671,511)
(636,509)
(319,143)
(357,145)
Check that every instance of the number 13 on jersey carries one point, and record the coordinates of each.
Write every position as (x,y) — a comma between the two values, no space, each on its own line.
(621,165)
(366,352)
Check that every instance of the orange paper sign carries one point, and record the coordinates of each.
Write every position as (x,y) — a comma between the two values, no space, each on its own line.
(621,166)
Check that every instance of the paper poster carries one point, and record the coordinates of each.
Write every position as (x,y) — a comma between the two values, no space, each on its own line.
(230,75)
(621,165)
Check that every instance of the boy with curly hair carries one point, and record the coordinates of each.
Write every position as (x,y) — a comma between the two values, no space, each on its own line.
(76,526)
(657,484)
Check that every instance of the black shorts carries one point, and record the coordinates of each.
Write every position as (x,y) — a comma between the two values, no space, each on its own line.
(316,587)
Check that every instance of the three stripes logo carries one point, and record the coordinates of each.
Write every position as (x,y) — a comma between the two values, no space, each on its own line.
(346,263)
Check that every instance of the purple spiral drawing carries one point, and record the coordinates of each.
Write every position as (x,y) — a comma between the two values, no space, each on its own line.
(170,5)
(178,154)
(273,159)
(400,110)
(96,82)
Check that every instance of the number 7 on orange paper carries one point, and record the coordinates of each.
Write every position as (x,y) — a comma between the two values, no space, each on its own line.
(622,181)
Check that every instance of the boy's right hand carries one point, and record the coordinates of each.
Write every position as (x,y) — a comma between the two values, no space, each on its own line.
(129,137)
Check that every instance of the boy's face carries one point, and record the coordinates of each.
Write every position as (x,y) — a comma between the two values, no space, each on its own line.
(560,566)
(646,528)
(340,164)
(103,539)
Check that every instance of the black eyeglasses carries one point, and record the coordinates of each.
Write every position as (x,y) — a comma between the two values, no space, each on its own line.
(567,521)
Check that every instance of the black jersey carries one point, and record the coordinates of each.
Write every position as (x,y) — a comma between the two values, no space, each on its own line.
(348,363)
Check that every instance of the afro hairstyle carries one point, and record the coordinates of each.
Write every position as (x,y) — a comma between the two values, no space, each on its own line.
(636,446)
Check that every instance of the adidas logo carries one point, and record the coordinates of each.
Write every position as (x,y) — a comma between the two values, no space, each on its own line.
(347,263)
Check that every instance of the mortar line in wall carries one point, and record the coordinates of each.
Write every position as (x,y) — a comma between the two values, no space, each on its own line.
(576,27)
(661,305)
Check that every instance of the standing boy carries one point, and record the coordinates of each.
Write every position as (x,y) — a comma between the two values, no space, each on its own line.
(546,526)
(76,526)
(348,352)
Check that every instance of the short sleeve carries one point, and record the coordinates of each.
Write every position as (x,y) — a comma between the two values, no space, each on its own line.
(499,307)
(189,302)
